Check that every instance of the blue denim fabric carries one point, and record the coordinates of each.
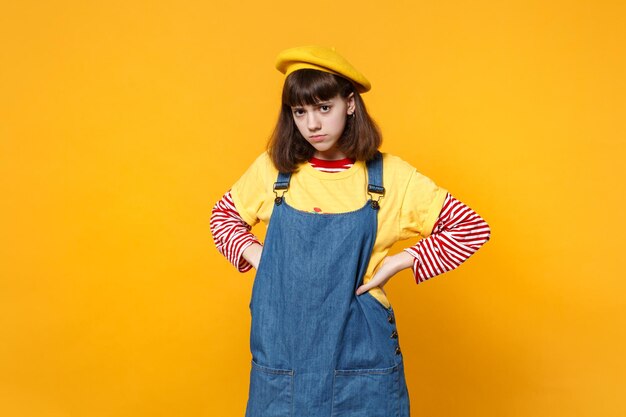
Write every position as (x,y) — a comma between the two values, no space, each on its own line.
(318,349)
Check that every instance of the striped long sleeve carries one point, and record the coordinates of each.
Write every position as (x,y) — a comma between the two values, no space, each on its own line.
(457,234)
(231,233)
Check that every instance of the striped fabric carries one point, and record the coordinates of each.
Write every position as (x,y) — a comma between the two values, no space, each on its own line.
(457,233)
(331,166)
(231,233)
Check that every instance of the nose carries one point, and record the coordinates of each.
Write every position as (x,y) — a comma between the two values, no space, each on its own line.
(312,121)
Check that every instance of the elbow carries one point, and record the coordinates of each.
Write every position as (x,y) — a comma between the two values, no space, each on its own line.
(485,233)
(482,234)
(214,221)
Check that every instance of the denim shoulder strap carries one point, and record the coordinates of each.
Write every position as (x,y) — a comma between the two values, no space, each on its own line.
(281,184)
(375,179)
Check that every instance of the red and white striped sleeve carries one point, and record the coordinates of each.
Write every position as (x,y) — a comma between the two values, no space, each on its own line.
(231,233)
(458,232)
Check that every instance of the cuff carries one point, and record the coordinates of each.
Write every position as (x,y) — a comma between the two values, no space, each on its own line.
(242,264)
(416,260)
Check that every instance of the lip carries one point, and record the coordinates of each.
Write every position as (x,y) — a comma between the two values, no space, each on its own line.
(317,137)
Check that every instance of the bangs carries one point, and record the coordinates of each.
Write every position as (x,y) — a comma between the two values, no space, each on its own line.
(309,87)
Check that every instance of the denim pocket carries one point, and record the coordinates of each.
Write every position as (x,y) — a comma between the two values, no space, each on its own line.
(366,392)
(270,393)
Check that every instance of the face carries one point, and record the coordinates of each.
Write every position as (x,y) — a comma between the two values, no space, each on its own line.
(323,123)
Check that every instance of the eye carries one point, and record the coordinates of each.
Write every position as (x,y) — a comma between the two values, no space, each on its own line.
(298,112)
(325,108)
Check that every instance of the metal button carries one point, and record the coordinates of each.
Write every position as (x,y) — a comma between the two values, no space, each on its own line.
(390,318)
(394,334)
(398,350)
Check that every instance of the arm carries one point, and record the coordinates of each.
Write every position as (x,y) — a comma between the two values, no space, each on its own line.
(232,235)
(252,254)
(457,234)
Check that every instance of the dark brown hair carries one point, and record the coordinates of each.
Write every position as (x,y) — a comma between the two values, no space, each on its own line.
(287,148)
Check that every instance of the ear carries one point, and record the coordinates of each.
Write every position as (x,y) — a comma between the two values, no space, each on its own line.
(350,102)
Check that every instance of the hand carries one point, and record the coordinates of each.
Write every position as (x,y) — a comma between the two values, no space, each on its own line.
(390,266)
(252,254)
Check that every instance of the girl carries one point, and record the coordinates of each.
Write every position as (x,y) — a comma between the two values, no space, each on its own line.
(324,340)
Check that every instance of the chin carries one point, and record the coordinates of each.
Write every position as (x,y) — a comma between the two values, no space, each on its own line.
(322,147)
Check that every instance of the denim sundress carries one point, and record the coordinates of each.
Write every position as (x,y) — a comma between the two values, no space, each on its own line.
(318,349)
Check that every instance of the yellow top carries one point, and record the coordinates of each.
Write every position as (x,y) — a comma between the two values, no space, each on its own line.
(410,207)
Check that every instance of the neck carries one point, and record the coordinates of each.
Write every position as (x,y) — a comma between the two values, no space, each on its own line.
(330,155)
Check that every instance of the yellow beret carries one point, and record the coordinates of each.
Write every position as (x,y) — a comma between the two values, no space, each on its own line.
(323,59)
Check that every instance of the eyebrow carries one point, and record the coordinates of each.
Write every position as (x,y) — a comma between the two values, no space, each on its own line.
(321,103)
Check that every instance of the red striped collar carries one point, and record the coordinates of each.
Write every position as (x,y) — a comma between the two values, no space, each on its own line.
(324,163)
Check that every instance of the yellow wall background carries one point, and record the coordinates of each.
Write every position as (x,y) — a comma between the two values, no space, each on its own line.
(123,122)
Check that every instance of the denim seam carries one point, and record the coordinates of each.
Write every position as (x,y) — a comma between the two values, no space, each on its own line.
(274,371)
(366,371)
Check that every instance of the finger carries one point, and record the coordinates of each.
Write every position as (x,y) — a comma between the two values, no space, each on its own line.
(362,289)
(365,287)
